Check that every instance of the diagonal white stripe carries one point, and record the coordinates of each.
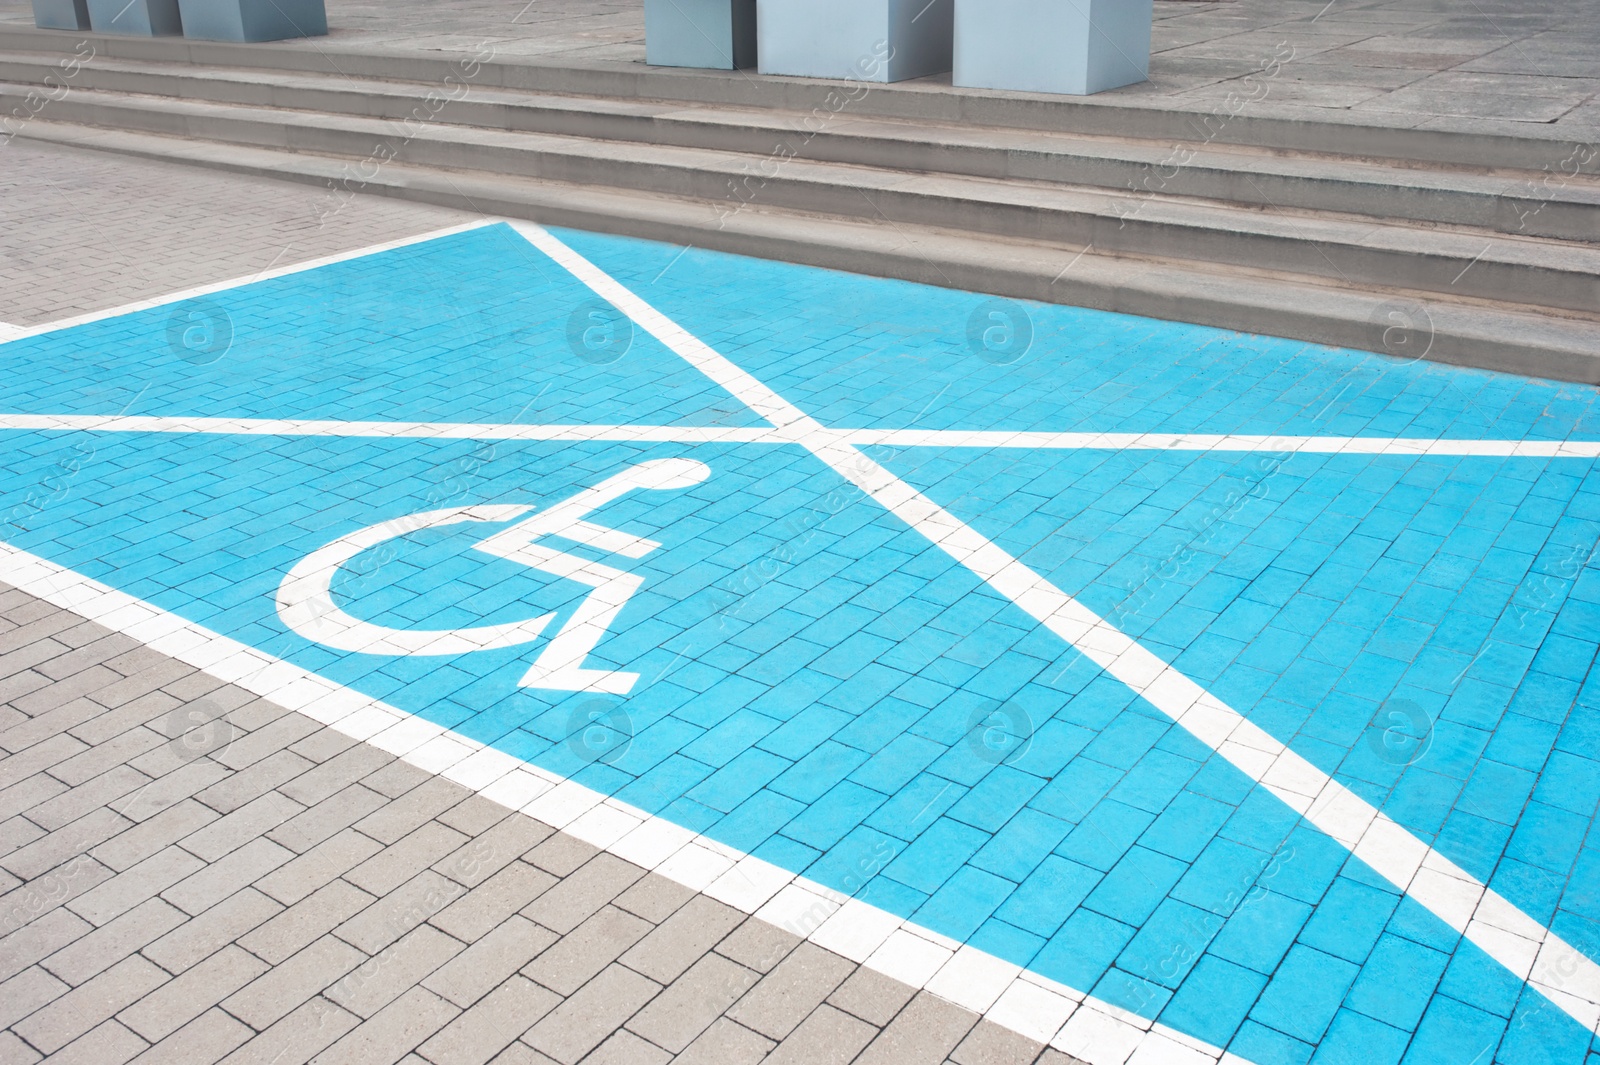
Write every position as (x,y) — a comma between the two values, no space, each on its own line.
(9,331)
(1438,884)
(1558,970)
(1412,447)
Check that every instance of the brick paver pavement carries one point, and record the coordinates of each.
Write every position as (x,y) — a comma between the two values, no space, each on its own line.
(192,874)
(83,231)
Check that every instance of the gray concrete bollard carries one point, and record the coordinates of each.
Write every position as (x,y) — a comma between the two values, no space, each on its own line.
(61,14)
(1075,47)
(253,20)
(136,18)
(863,40)
(700,33)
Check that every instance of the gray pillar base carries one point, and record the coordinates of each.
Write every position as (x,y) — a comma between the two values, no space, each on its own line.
(863,40)
(253,20)
(720,34)
(1075,47)
(61,14)
(140,18)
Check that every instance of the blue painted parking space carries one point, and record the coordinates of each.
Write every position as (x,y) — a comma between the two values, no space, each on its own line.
(712,620)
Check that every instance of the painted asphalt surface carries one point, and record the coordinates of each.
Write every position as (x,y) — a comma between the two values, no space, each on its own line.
(797,672)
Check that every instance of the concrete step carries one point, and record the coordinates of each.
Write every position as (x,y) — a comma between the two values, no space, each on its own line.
(1446,328)
(1505,201)
(1562,276)
(1510,145)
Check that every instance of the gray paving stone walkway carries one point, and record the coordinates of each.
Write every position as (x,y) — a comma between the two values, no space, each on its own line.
(83,231)
(190,874)
(1383,62)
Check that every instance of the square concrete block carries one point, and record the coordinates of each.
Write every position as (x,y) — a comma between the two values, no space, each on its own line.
(700,33)
(1075,47)
(253,20)
(61,14)
(863,40)
(136,18)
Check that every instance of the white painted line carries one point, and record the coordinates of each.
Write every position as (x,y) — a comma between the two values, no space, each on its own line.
(222,286)
(909,953)
(1431,879)
(9,331)
(1322,445)
(1414,447)
(122,423)
(701,864)
(1098,1033)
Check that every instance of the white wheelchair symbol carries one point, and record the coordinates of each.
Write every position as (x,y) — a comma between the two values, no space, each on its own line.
(305,598)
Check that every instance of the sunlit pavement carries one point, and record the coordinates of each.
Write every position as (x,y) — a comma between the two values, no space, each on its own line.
(1090,671)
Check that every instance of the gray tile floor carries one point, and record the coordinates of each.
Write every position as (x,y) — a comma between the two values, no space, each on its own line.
(1384,62)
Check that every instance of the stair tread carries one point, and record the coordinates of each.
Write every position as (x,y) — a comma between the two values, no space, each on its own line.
(1575,189)
(1462,244)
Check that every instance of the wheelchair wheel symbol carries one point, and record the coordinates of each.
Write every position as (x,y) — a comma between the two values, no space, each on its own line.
(306,605)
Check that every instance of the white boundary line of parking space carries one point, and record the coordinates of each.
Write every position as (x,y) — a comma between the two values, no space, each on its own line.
(1006,994)
(1025,1002)
(1032,1005)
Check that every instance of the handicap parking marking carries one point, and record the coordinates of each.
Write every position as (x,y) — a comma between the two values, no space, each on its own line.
(306,603)
(885,688)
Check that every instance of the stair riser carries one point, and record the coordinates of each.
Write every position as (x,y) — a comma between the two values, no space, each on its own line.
(915,265)
(1107,230)
(1514,212)
(1518,210)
